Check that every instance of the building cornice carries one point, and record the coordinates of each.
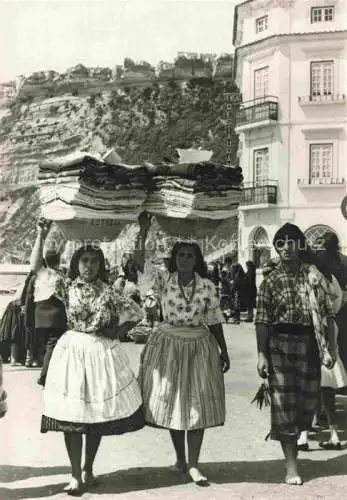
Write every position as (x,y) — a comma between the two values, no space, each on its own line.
(272,40)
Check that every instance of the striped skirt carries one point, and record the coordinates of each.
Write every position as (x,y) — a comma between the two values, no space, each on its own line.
(294,382)
(90,385)
(181,379)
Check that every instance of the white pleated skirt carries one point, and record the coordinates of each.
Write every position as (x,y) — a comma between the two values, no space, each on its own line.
(90,381)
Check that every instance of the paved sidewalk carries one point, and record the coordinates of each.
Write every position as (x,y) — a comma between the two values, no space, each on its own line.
(236,459)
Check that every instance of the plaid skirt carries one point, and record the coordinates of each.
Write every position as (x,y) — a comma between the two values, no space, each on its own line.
(294,382)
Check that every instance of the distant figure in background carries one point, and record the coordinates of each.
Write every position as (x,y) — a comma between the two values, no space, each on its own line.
(333,379)
(45,313)
(13,332)
(152,308)
(129,268)
(338,267)
(250,290)
(225,294)
(228,265)
(238,291)
(215,277)
(3,395)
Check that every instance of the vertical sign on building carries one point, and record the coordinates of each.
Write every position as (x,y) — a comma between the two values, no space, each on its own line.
(232,102)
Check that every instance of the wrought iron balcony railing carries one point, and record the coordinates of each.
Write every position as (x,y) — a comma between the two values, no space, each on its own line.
(322,181)
(257,110)
(260,193)
(322,99)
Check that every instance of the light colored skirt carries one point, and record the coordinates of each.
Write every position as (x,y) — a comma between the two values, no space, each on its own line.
(181,379)
(335,378)
(89,380)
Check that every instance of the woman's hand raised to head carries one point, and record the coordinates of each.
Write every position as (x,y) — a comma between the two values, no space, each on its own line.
(36,259)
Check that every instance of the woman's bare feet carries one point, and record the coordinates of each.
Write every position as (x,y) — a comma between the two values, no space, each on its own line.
(293,480)
(74,488)
(292,476)
(197,477)
(89,479)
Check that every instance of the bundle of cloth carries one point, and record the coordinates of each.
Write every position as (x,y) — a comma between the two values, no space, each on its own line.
(190,198)
(82,190)
(195,191)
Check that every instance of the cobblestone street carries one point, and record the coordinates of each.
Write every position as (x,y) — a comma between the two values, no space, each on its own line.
(235,458)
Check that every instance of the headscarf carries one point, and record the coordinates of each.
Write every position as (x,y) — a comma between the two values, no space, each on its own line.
(291,232)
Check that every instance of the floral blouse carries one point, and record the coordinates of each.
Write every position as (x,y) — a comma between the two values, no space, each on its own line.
(190,309)
(93,305)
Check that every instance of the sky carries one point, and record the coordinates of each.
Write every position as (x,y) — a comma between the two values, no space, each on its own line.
(57,34)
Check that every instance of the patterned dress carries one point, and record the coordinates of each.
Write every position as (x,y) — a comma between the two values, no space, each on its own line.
(180,375)
(90,386)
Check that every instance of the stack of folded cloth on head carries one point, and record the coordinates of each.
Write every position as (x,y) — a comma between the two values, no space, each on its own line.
(88,197)
(188,196)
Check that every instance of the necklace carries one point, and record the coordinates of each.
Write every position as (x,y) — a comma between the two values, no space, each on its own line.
(186,299)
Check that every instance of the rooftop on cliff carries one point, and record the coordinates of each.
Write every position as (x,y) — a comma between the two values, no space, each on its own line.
(191,63)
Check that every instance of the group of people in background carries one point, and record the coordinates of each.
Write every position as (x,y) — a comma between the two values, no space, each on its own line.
(236,288)
(91,390)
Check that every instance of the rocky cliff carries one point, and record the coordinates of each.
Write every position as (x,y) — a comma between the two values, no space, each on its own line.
(143,113)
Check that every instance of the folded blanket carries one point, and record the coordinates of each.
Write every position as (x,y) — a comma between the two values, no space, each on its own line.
(69,162)
(199,170)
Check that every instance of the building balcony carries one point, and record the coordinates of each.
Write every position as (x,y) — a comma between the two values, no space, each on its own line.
(256,113)
(259,195)
(314,100)
(322,182)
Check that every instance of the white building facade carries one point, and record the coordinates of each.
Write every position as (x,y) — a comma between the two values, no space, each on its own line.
(291,67)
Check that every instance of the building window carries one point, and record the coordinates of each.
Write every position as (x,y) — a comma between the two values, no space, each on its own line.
(261,165)
(261,250)
(321,79)
(322,14)
(261,24)
(261,82)
(321,161)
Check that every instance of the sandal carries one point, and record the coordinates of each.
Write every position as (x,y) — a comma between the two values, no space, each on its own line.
(329,445)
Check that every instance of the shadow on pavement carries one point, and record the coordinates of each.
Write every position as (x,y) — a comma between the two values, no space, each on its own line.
(10,473)
(149,478)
